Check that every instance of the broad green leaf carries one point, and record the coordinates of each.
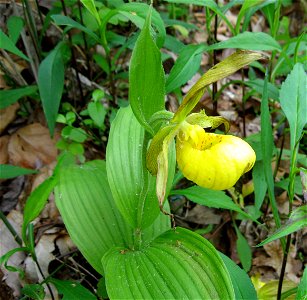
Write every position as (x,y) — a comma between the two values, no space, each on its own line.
(302,288)
(221,70)
(87,207)
(293,102)
(244,251)
(284,184)
(297,221)
(257,85)
(173,44)
(243,287)
(63,20)
(7,44)
(9,171)
(90,6)
(132,186)
(186,65)
(260,185)
(34,291)
(85,201)
(146,77)
(210,4)
(72,290)
(267,149)
(179,264)
(210,198)
(137,13)
(36,202)
(15,25)
(75,134)
(249,41)
(8,97)
(51,84)
(97,112)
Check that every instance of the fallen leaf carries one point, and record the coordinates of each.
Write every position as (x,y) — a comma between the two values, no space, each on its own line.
(7,242)
(275,253)
(4,156)
(11,193)
(43,251)
(32,147)
(7,115)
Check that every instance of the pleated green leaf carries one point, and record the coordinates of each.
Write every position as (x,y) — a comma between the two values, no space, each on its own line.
(132,186)
(146,77)
(85,202)
(92,219)
(179,264)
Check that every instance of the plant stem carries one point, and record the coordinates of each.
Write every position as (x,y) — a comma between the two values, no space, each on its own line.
(89,70)
(291,197)
(74,61)
(137,238)
(11,228)
(243,102)
(283,267)
(214,86)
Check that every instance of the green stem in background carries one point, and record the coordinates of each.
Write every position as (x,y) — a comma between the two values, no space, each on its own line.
(105,46)
(274,31)
(291,198)
(137,238)
(243,103)
(74,61)
(214,86)
(89,70)
(11,229)
(31,246)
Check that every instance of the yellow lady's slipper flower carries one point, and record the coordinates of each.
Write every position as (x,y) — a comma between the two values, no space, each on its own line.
(211,160)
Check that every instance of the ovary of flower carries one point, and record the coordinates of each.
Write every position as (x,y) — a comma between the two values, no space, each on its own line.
(211,160)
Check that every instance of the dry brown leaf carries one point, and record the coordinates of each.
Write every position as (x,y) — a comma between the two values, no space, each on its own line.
(4,156)
(203,215)
(43,251)
(274,250)
(7,115)
(32,147)
(7,242)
